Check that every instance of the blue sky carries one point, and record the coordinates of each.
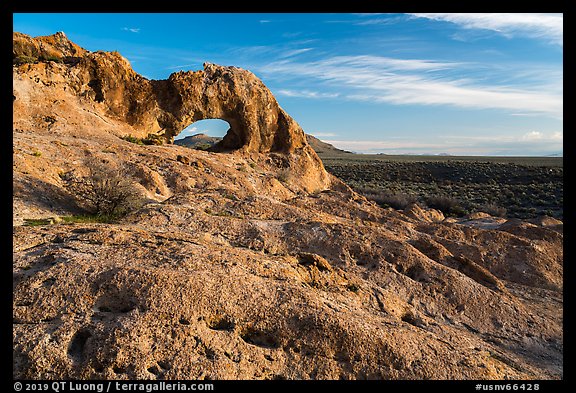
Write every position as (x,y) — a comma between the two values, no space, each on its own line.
(461,84)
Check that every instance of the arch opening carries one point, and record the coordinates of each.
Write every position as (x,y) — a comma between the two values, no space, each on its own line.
(203,134)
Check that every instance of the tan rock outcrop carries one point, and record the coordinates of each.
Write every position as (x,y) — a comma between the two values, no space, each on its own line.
(106,82)
(46,47)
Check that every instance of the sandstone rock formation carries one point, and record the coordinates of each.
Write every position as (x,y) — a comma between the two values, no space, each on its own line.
(235,270)
(56,46)
(106,84)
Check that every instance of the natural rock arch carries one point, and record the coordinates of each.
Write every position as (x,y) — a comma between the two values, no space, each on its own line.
(107,87)
(257,122)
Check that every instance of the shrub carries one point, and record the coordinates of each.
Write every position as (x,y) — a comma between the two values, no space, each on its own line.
(447,205)
(32,222)
(37,153)
(283,175)
(493,210)
(132,139)
(88,218)
(151,139)
(52,58)
(19,60)
(203,146)
(105,190)
(395,200)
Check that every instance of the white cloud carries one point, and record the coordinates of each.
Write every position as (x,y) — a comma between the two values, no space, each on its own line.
(264,21)
(532,136)
(524,114)
(388,63)
(532,143)
(533,25)
(294,52)
(132,29)
(305,93)
(180,67)
(557,136)
(415,81)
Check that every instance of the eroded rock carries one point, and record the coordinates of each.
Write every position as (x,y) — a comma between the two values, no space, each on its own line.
(166,107)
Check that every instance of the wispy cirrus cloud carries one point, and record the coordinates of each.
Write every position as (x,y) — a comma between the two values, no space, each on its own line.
(306,93)
(533,25)
(180,67)
(132,29)
(294,52)
(417,81)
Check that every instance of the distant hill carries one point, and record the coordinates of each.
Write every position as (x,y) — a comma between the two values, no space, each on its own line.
(203,141)
(198,141)
(323,147)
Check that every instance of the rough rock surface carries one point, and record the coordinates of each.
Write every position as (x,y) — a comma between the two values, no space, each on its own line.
(233,270)
(52,46)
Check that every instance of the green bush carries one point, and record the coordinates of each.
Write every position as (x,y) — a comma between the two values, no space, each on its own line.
(89,218)
(33,222)
(132,139)
(203,146)
(151,139)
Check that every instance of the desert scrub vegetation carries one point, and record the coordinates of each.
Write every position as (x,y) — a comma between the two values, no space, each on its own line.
(34,222)
(88,218)
(23,59)
(447,205)
(203,146)
(283,175)
(104,191)
(515,190)
(396,200)
(493,210)
(151,139)
(79,218)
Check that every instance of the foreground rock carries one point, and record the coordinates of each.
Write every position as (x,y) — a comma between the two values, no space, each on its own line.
(233,269)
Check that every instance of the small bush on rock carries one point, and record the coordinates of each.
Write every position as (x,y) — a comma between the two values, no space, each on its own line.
(105,190)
